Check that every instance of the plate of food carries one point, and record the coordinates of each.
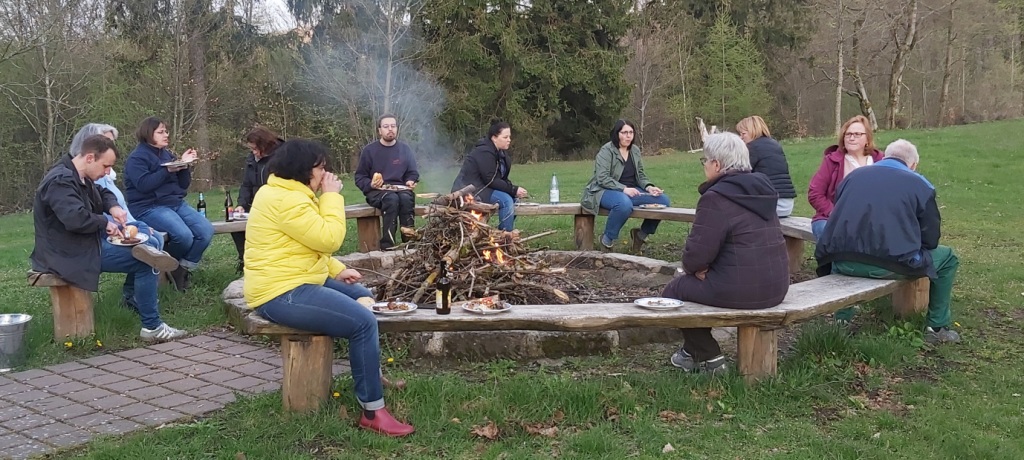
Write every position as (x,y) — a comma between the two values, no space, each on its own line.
(393,308)
(132,240)
(394,187)
(176,163)
(240,216)
(658,303)
(486,306)
(652,206)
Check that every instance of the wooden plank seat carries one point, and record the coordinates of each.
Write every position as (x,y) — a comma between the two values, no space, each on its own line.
(757,343)
(72,307)
(795,229)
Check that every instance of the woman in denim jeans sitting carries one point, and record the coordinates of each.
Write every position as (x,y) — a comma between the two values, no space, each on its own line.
(292,280)
(156,194)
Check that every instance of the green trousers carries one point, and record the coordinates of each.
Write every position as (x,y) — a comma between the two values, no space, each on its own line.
(940,291)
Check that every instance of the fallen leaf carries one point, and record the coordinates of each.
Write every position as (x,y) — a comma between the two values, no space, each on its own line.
(670,416)
(343,412)
(611,414)
(668,448)
(456,420)
(727,416)
(240,456)
(541,429)
(558,416)
(1016,395)
(489,431)
(876,435)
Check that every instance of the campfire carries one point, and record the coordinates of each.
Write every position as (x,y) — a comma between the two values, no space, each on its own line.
(482,260)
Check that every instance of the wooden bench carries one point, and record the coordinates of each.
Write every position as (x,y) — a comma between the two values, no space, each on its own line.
(307,356)
(368,227)
(72,307)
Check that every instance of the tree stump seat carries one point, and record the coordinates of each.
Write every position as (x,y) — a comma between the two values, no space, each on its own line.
(72,307)
(307,356)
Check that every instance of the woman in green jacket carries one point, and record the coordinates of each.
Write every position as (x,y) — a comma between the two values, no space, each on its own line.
(619,184)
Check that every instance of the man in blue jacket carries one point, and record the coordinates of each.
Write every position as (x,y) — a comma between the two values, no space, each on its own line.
(387,174)
(886,225)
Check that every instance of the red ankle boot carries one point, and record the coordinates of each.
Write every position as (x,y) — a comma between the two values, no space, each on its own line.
(385,424)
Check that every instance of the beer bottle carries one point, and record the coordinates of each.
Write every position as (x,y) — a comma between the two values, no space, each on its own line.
(229,207)
(201,205)
(444,291)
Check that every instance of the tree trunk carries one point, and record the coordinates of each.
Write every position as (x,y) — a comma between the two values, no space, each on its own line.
(51,112)
(840,67)
(947,73)
(861,92)
(899,62)
(197,58)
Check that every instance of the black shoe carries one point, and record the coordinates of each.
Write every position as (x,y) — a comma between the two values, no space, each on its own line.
(179,278)
(129,303)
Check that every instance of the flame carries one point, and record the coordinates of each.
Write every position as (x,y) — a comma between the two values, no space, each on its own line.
(468,199)
(494,255)
(479,216)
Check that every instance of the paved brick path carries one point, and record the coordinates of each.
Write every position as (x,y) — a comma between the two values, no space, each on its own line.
(69,404)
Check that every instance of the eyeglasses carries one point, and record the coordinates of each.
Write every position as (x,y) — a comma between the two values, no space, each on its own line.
(703,161)
(628,133)
(855,135)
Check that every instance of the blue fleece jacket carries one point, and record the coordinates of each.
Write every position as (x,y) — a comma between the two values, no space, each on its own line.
(148,185)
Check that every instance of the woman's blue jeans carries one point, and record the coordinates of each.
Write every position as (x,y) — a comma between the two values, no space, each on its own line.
(506,210)
(620,206)
(332,309)
(140,281)
(818,227)
(188,232)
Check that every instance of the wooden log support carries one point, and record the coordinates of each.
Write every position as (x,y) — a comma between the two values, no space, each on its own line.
(795,249)
(368,229)
(757,352)
(307,371)
(72,307)
(583,228)
(911,297)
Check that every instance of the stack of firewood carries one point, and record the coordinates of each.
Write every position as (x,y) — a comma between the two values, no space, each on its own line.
(482,260)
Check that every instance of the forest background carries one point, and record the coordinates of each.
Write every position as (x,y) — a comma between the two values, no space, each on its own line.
(560,71)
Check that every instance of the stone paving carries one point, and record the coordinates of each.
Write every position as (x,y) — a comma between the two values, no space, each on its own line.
(69,404)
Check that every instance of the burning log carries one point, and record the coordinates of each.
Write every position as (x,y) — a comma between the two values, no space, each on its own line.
(481,259)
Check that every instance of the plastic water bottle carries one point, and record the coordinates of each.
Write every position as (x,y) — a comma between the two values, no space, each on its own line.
(554,190)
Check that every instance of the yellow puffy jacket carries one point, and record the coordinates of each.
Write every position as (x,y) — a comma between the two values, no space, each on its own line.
(289,239)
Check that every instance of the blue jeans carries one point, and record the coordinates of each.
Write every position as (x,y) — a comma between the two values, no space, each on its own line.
(140,282)
(155,240)
(332,309)
(188,232)
(506,210)
(818,227)
(619,208)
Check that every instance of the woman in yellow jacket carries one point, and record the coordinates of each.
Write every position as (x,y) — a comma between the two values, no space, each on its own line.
(291,278)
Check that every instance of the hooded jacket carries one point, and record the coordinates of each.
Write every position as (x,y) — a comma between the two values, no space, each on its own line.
(487,168)
(148,185)
(69,222)
(254,177)
(895,233)
(767,157)
(737,238)
(821,192)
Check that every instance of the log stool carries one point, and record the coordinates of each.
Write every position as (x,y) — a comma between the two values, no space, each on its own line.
(72,307)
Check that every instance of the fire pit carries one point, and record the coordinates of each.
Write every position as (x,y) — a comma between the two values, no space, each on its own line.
(484,261)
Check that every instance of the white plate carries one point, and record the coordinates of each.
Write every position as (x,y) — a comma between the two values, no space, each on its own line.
(176,163)
(394,187)
(652,206)
(380,308)
(117,241)
(240,216)
(486,311)
(658,303)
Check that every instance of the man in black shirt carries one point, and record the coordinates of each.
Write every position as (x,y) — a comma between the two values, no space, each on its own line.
(387,175)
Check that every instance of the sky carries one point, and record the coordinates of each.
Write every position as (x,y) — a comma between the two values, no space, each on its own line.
(274,16)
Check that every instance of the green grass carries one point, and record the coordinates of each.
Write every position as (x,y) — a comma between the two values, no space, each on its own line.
(872,394)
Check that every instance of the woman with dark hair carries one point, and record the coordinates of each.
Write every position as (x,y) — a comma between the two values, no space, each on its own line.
(619,183)
(487,167)
(262,142)
(291,278)
(156,194)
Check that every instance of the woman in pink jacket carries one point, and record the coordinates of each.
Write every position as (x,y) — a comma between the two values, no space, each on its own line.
(855,148)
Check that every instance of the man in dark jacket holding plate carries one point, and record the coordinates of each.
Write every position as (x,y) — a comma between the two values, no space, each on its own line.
(387,174)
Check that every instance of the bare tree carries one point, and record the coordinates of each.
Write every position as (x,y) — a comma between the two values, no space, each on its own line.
(947,70)
(860,90)
(840,68)
(904,35)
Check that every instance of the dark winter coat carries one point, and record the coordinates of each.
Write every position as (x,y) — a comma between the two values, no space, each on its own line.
(254,177)
(69,222)
(148,185)
(737,238)
(767,157)
(483,169)
(885,216)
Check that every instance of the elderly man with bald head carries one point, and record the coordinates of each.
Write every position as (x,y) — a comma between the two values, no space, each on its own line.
(886,225)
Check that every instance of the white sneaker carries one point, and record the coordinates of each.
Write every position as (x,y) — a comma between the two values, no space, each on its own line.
(154,257)
(162,333)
